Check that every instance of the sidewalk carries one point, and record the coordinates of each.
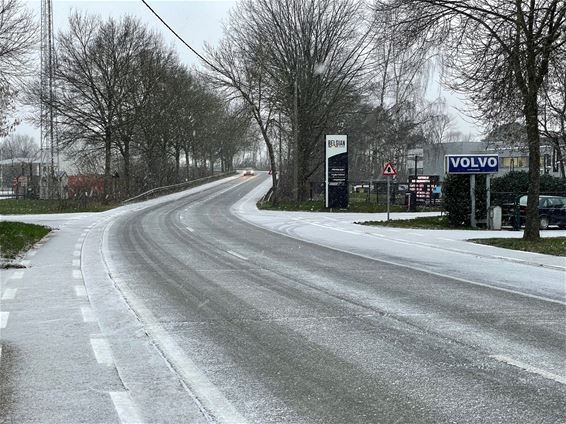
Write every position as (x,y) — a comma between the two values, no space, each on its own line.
(445,252)
(71,349)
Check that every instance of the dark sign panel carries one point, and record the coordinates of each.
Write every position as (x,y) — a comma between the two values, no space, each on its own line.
(423,186)
(336,171)
(472,164)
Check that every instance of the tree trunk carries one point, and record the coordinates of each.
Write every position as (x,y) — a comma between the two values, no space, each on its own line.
(532,224)
(107,165)
(188,165)
(127,167)
(177,165)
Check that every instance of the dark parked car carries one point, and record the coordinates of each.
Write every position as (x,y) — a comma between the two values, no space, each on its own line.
(552,211)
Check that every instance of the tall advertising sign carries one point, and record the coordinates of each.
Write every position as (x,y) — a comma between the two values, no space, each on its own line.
(337,171)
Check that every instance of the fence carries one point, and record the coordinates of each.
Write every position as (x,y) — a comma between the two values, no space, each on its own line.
(375,192)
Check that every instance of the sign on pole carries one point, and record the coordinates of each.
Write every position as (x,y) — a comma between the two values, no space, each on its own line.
(389,170)
(472,164)
(337,171)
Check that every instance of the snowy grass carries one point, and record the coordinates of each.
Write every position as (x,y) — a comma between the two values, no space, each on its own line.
(32,206)
(549,245)
(16,237)
(423,222)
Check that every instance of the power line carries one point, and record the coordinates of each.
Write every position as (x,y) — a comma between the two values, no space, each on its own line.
(180,38)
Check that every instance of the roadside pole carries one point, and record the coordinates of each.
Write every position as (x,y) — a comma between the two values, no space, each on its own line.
(473,201)
(388,195)
(389,171)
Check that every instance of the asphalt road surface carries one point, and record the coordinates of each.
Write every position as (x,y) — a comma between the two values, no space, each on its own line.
(265,328)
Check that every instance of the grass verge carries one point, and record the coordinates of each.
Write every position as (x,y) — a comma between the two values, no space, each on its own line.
(34,206)
(423,222)
(319,206)
(16,237)
(549,245)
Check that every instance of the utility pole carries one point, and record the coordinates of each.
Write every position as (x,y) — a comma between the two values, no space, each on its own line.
(48,148)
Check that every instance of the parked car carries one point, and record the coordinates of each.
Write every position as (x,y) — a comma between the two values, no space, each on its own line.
(249,173)
(552,211)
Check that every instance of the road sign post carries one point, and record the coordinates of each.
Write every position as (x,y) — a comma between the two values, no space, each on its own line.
(336,189)
(473,164)
(389,171)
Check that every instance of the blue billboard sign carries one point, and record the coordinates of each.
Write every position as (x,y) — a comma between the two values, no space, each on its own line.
(471,164)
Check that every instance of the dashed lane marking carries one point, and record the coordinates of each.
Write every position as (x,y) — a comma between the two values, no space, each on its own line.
(76,262)
(77,274)
(18,275)
(237,255)
(4,319)
(77,253)
(190,229)
(88,314)
(9,294)
(533,370)
(125,408)
(102,351)
(80,291)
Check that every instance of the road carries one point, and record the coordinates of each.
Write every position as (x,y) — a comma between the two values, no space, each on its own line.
(261,327)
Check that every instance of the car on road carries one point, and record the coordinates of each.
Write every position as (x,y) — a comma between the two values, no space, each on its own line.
(249,173)
(552,211)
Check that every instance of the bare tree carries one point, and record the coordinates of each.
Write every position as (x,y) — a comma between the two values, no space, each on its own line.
(95,78)
(17,38)
(553,110)
(499,52)
(309,59)
(19,146)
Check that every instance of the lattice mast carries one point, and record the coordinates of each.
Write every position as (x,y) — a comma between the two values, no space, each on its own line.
(48,144)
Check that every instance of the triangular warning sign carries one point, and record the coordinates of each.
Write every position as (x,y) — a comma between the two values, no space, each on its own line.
(389,170)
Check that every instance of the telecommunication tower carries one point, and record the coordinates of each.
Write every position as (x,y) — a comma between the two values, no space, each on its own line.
(48,188)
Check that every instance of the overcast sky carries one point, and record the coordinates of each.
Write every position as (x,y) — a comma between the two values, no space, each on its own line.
(197,21)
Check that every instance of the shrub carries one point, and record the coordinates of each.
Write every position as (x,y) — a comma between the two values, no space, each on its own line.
(456,199)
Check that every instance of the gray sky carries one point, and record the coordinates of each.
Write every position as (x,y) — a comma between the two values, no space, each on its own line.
(197,21)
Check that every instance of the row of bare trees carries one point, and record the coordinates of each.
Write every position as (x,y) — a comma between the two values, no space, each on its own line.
(125,104)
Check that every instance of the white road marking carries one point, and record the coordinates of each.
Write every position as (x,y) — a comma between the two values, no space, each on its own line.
(102,351)
(9,294)
(76,262)
(77,274)
(77,253)
(190,229)
(125,408)
(80,291)
(534,370)
(205,394)
(4,319)
(88,314)
(415,268)
(237,255)
(445,239)
(18,275)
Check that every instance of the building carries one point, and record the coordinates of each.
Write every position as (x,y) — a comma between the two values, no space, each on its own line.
(510,158)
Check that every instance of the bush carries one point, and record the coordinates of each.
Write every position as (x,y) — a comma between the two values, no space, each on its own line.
(456,199)
(517,182)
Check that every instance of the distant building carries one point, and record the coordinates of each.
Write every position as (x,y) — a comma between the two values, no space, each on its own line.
(510,158)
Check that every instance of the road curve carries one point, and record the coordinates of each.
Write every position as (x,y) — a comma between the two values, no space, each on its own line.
(265,328)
